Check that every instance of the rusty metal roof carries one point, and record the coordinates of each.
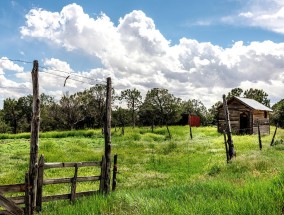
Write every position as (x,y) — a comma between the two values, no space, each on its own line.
(253,104)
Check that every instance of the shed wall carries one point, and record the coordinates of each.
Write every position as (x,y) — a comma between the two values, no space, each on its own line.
(236,108)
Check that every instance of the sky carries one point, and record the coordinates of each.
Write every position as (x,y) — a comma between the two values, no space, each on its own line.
(195,49)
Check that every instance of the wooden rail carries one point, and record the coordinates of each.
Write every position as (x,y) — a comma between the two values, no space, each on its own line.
(72,181)
(11,204)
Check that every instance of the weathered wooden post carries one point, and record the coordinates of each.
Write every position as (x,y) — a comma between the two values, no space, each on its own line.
(39,183)
(74,184)
(190,131)
(27,195)
(228,129)
(226,147)
(107,133)
(114,173)
(272,141)
(33,172)
(259,136)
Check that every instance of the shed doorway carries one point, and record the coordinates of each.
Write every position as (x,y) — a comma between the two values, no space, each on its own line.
(244,123)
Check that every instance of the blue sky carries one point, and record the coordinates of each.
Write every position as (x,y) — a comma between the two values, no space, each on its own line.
(196,49)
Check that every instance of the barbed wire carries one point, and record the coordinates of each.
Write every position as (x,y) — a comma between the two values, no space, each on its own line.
(16,88)
(16,60)
(65,77)
(58,70)
(62,71)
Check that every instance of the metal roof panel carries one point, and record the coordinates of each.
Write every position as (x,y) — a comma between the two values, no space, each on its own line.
(253,104)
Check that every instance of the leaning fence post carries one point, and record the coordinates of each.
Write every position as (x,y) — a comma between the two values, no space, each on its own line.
(226,147)
(228,129)
(259,136)
(34,136)
(272,141)
(190,130)
(40,183)
(114,172)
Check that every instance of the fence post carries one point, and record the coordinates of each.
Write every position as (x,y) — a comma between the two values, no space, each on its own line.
(226,147)
(34,136)
(190,131)
(272,141)
(102,181)
(74,184)
(228,129)
(107,134)
(114,173)
(27,194)
(39,183)
(259,136)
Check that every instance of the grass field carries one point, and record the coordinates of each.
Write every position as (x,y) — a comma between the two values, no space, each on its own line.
(158,175)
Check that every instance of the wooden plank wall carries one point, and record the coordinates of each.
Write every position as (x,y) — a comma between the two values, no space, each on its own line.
(235,108)
(264,123)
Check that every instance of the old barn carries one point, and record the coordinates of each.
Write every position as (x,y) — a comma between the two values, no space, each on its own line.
(244,115)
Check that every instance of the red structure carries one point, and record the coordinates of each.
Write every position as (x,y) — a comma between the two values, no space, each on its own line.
(194,121)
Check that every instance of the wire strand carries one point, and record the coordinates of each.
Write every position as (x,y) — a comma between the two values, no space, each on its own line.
(57,70)
(65,77)
(16,60)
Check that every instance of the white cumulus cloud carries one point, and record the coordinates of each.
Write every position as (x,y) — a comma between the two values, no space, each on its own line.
(136,54)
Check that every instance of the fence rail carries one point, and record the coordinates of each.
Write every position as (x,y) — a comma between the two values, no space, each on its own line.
(72,180)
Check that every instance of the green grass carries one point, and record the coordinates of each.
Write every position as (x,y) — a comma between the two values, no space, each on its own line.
(158,175)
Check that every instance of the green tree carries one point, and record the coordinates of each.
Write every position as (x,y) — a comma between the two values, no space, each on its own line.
(162,104)
(120,117)
(16,112)
(4,127)
(49,113)
(258,95)
(195,107)
(278,113)
(70,111)
(235,92)
(213,113)
(133,100)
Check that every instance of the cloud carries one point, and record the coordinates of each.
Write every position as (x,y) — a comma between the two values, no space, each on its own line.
(265,14)
(9,87)
(136,54)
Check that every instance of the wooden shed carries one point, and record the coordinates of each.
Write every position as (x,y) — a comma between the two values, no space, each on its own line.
(244,115)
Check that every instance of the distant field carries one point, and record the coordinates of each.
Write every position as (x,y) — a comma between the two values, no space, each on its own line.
(158,175)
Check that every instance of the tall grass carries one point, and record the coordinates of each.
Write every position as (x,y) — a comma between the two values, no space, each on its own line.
(161,176)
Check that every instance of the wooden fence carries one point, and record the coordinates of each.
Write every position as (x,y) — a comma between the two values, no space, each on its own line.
(34,181)
(11,203)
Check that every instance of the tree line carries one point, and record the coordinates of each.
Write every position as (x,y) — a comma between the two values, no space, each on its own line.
(86,109)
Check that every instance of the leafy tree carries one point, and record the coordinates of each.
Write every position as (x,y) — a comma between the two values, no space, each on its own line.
(13,113)
(133,100)
(258,95)
(195,107)
(69,110)
(25,106)
(4,127)
(235,92)
(162,104)
(278,113)
(213,113)
(120,117)
(49,113)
